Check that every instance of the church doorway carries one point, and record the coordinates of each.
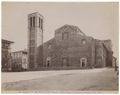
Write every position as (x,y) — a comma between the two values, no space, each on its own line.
(65,61)
(48,61)
(83,62)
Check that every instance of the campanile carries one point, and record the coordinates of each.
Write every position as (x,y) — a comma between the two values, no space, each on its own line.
(35,37)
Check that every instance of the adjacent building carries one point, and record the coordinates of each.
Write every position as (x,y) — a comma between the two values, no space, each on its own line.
(19,60)
(115,64)
(6,57)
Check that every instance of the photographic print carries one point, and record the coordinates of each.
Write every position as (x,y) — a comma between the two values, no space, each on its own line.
(60,47)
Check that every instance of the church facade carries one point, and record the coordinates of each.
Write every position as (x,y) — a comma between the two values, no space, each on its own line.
(71,48)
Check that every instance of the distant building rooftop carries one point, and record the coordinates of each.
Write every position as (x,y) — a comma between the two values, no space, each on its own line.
(7,41)
(23,51)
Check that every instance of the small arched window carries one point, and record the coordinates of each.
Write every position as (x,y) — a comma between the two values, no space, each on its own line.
(49,47)
(65,36)
(84,41)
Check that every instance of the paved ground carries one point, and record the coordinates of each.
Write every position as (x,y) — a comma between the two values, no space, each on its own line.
(104,79)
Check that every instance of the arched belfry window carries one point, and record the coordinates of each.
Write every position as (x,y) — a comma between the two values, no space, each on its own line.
(42,24)
(33,21)
(30,21)
(39,22)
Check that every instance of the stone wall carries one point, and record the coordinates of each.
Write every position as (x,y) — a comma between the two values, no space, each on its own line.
(71,48)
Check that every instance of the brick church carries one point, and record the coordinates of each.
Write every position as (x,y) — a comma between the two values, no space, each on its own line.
(70,47)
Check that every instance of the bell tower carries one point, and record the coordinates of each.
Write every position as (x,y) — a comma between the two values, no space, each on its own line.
(35,37)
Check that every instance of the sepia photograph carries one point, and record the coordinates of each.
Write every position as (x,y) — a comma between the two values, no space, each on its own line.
(60,47)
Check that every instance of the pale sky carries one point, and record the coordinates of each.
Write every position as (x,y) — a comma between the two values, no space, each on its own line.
(99,20)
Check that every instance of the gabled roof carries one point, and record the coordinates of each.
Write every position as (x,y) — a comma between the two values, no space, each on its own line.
(75,28)
(47,42)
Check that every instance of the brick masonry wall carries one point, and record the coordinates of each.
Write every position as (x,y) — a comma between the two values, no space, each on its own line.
(72,48)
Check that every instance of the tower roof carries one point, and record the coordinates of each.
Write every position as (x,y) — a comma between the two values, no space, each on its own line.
(35,14)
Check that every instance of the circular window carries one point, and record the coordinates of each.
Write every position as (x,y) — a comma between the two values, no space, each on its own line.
(83,41)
